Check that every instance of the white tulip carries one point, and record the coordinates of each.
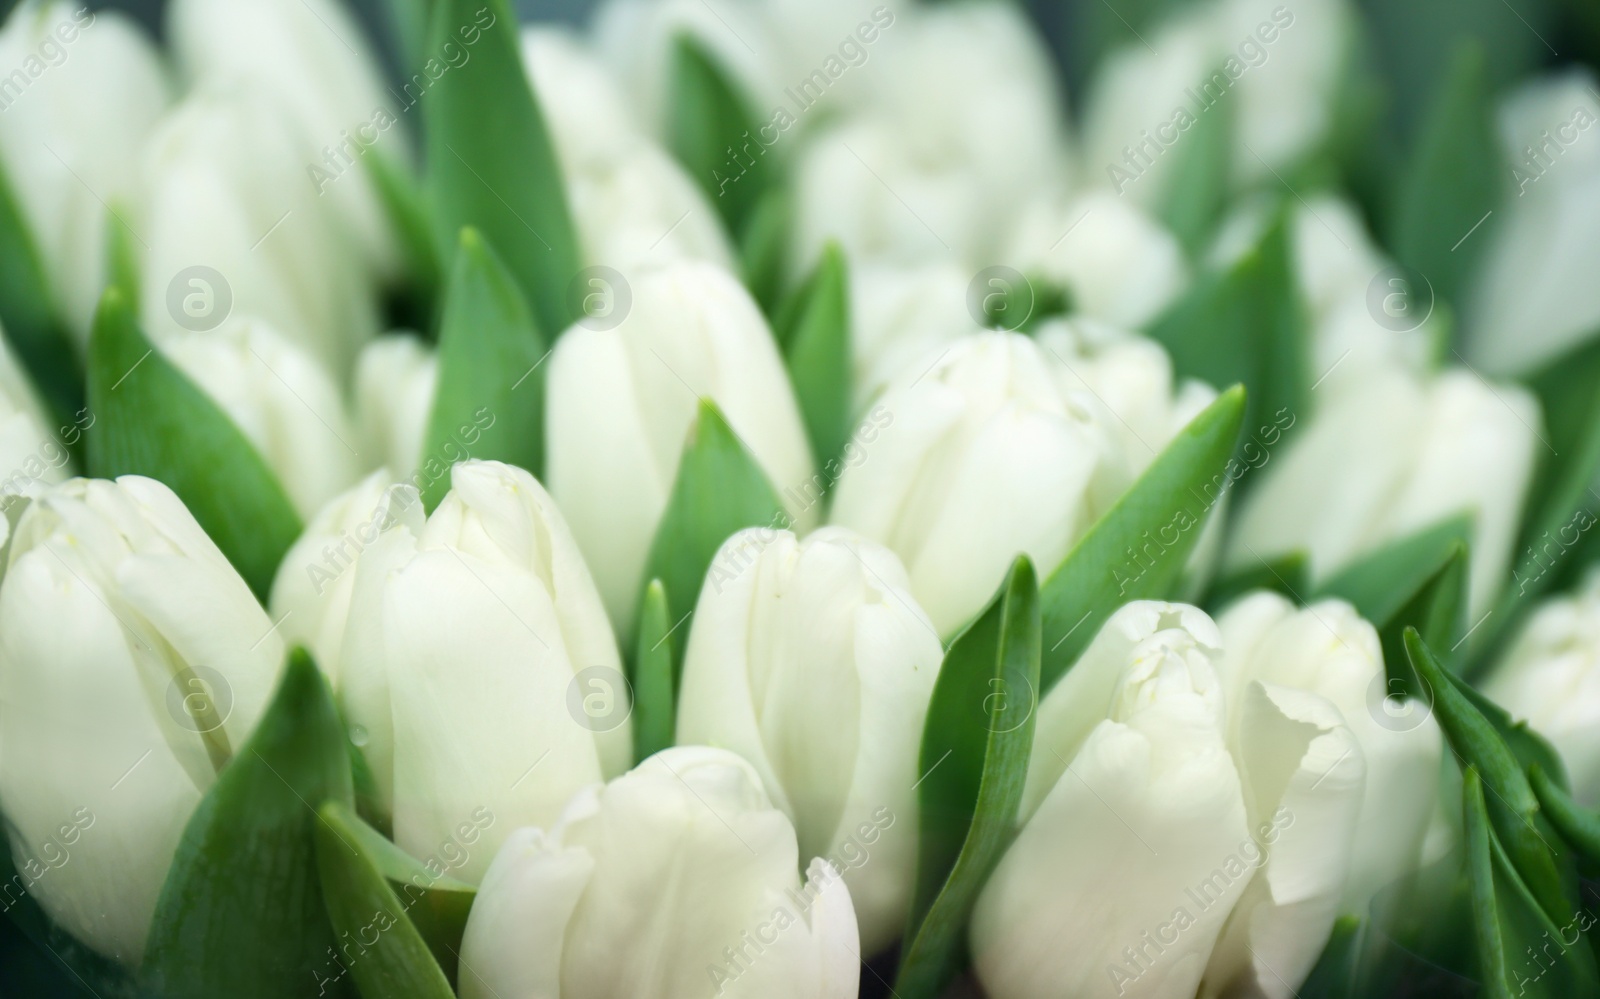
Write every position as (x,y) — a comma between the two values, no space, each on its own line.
(1550,678)
(1350,483)
(1003,445)
(81,93)
(470,655)
(621,401)
(226,189)
(314,57)
(676,880)
(1118,263)
(31,457)
(281,398)
(1533,300)
(396,380)
(116,615)
(589,118)
(311,592)
(811,660)
(1139,845)
(902,315)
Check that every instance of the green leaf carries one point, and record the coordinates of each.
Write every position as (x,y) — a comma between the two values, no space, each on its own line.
(654,709)
(396,963)
(813,329)
(1451,181)
(1514,809)
(491,163)
(764,248)
(28,313)
(1244,325)
(719,490)
(1559,510)
(1337,971)
(1576,824)
(241,913)
(1529,747)
(714,132)
(122,259)
(974,761)
(151,420)
(411,19)
(1510,927)
(1125,555)
(1288,574)
(490,400)
(1198,188)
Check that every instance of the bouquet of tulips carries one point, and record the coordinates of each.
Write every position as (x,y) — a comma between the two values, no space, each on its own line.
(800,499)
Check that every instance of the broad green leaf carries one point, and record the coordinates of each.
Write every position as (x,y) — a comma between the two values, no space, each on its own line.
(122,258)
(1201,178)
(1451,181)
(1138,550)
(1510,927)
(719,490)
(1576,824)
(490,400)
(1513,807)
(1561,506)
(29,313)
(764,248)
(395,963)
(241,913)
(974,761)
(654,708)
(1289,575)
(715,134)
(401,196)
(151,420)
(1244,324)
(813,329)
(491,163)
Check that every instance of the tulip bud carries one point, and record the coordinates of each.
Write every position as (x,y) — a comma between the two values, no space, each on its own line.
(479,667)
(397,378)
(1533,301)
(1001,446)
(232,224)
(31,458)
(314,58)
(811,660)
(1348,483)
(621,401)
(900,316)
(688,845)
(134,662)
(1124,874)
(70,136)
(1118,263)
(1550,678)
(283,401)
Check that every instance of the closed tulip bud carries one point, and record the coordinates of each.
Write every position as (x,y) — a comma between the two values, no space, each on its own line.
(1550,678)
(479,667)
(1533,301)
(1137,841)
(84,89)
(313,56)
(1327,649)
(282,399)
(812,660)
(1118,263)
(1347,484)
(134,662)
(900,316)
(688,846)
(397,378)
(31,458)
(1001,446)
(233,226)
(621,402)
